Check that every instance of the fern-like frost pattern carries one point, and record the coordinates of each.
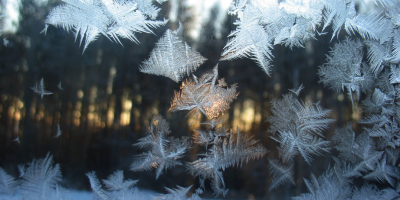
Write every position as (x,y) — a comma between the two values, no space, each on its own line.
(345,70)
(228,149)
(113,19)
(299,127)
(163,152)
(172,58)
(204,95)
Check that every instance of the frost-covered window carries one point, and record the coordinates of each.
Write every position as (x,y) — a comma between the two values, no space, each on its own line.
(192,99)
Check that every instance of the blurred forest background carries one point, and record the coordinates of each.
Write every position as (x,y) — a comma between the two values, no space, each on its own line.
(107,104)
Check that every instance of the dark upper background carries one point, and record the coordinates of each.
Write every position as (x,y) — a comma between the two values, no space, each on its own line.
(107,103)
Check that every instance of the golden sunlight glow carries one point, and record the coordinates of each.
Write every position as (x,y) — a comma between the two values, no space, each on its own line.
(17,115)
(112,74)
(277,87)
(39,113)
(76,114)
(257,117)
(136,117)
(110,111)
(127,105)
(93,119)
(357,113)
(33,108)
(126,112)
(79,94)
(97,121)
(154,165)
(213,110)
(236,116)
(76,121)
(15,112)
(10,112)
(155,111)
(91,108)
(247,116)
(308,98)
(110,116)
(90,116)
(94,110)
(193,122)
(125,118)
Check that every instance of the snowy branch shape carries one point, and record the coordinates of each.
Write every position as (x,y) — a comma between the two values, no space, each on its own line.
(39,89)
(345,69)
(172,58)
(327,186)
(281,174)
(117,187)
(7,183)
(178,193)
(113,19)
(249,40)
(355,149)
(298,127)
(385,110)
(384,172)
(40,180)
(163,152)
(264,23)
(227,150)
(204,95)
